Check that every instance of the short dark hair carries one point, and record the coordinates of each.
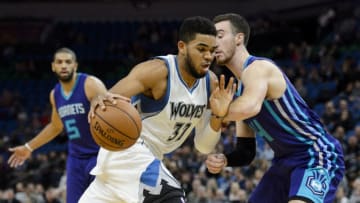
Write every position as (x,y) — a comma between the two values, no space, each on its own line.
(196,25)
(66,50)
(238,23)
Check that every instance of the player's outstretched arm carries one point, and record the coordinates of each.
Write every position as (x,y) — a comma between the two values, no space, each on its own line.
(143,78)
(208,131)
(21,153)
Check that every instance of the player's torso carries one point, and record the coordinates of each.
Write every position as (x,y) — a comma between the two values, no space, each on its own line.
(292,129)
(168,122)
(73,109)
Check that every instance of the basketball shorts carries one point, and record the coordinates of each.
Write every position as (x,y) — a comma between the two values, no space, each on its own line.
(78,177)
(132,176)
(316,185)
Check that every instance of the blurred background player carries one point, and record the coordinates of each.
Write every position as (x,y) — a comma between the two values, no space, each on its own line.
(70,101)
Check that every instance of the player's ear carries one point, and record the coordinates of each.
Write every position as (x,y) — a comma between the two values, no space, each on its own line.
(76,66)
(181,47)
(52,67)
(239,38)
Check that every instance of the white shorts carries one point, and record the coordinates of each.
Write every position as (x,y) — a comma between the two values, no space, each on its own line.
(132,176)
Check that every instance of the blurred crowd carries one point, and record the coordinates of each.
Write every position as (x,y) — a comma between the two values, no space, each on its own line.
(322,60)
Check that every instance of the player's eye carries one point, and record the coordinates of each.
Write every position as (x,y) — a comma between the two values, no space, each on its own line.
(201,49)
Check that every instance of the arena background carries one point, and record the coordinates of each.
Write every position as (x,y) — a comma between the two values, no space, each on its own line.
(316,42)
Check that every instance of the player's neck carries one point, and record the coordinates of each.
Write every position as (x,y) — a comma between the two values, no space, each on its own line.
(68,86)
(184,74)
(236,64)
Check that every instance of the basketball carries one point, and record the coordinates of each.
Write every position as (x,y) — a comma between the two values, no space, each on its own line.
(118,127)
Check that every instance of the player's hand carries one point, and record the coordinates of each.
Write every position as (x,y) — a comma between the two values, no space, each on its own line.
(18,156)
(221,97)
(99,100)
(215,163)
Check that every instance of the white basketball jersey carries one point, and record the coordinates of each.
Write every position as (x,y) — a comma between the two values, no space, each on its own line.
(169,121)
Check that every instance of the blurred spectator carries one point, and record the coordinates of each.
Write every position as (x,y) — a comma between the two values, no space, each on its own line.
(355,194)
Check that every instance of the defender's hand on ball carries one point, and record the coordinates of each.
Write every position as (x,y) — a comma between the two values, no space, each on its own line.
(215,163)
(99,100)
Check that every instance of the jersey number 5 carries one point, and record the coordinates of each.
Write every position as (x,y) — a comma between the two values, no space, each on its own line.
(71,129)
(179,131)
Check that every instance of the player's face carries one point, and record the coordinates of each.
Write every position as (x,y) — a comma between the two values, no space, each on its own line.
(64,66)
(225,42)
(200,54)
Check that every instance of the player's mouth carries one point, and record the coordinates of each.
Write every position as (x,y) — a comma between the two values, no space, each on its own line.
(218,54)
(63,72)
(206,65)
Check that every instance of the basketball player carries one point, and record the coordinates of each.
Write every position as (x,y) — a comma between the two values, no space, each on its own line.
(172,94)
(308,163)
(70,101)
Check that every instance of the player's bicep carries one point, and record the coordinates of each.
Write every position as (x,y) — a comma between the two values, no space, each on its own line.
(55,121)
(141,78)
(130,85)
(255,82)
(94,87)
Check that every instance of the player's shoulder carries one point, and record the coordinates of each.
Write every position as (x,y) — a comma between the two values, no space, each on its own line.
(262,62)
(151,67)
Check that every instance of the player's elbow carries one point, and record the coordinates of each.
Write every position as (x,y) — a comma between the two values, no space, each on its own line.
(244,152)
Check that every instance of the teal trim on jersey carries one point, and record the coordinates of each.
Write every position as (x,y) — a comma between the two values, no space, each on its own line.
(295,104)
(262,132)
(318,130)
(73,88)
(239,89)
(282,123)
(245,65)
(312,159)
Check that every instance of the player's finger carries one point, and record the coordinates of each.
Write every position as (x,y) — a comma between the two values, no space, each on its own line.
(99,102)
(214,93)
(118,96)
(230,84)
(214,170)
(222,81)
(233,89)
(10,160)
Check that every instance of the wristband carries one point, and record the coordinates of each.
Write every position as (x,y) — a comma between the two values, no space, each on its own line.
(217,117)
(27,146)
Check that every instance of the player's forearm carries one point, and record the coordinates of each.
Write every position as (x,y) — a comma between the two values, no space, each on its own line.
(46,135)
(206,141)
(241,110)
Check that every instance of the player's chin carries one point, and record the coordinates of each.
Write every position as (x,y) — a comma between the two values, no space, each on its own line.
(205,68)
(219,60)
(214,170)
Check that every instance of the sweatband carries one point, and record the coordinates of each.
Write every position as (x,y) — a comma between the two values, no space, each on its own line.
(244,152)
(27,146)
(206,141)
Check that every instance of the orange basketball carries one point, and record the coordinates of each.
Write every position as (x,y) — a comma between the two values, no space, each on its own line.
(116,128)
